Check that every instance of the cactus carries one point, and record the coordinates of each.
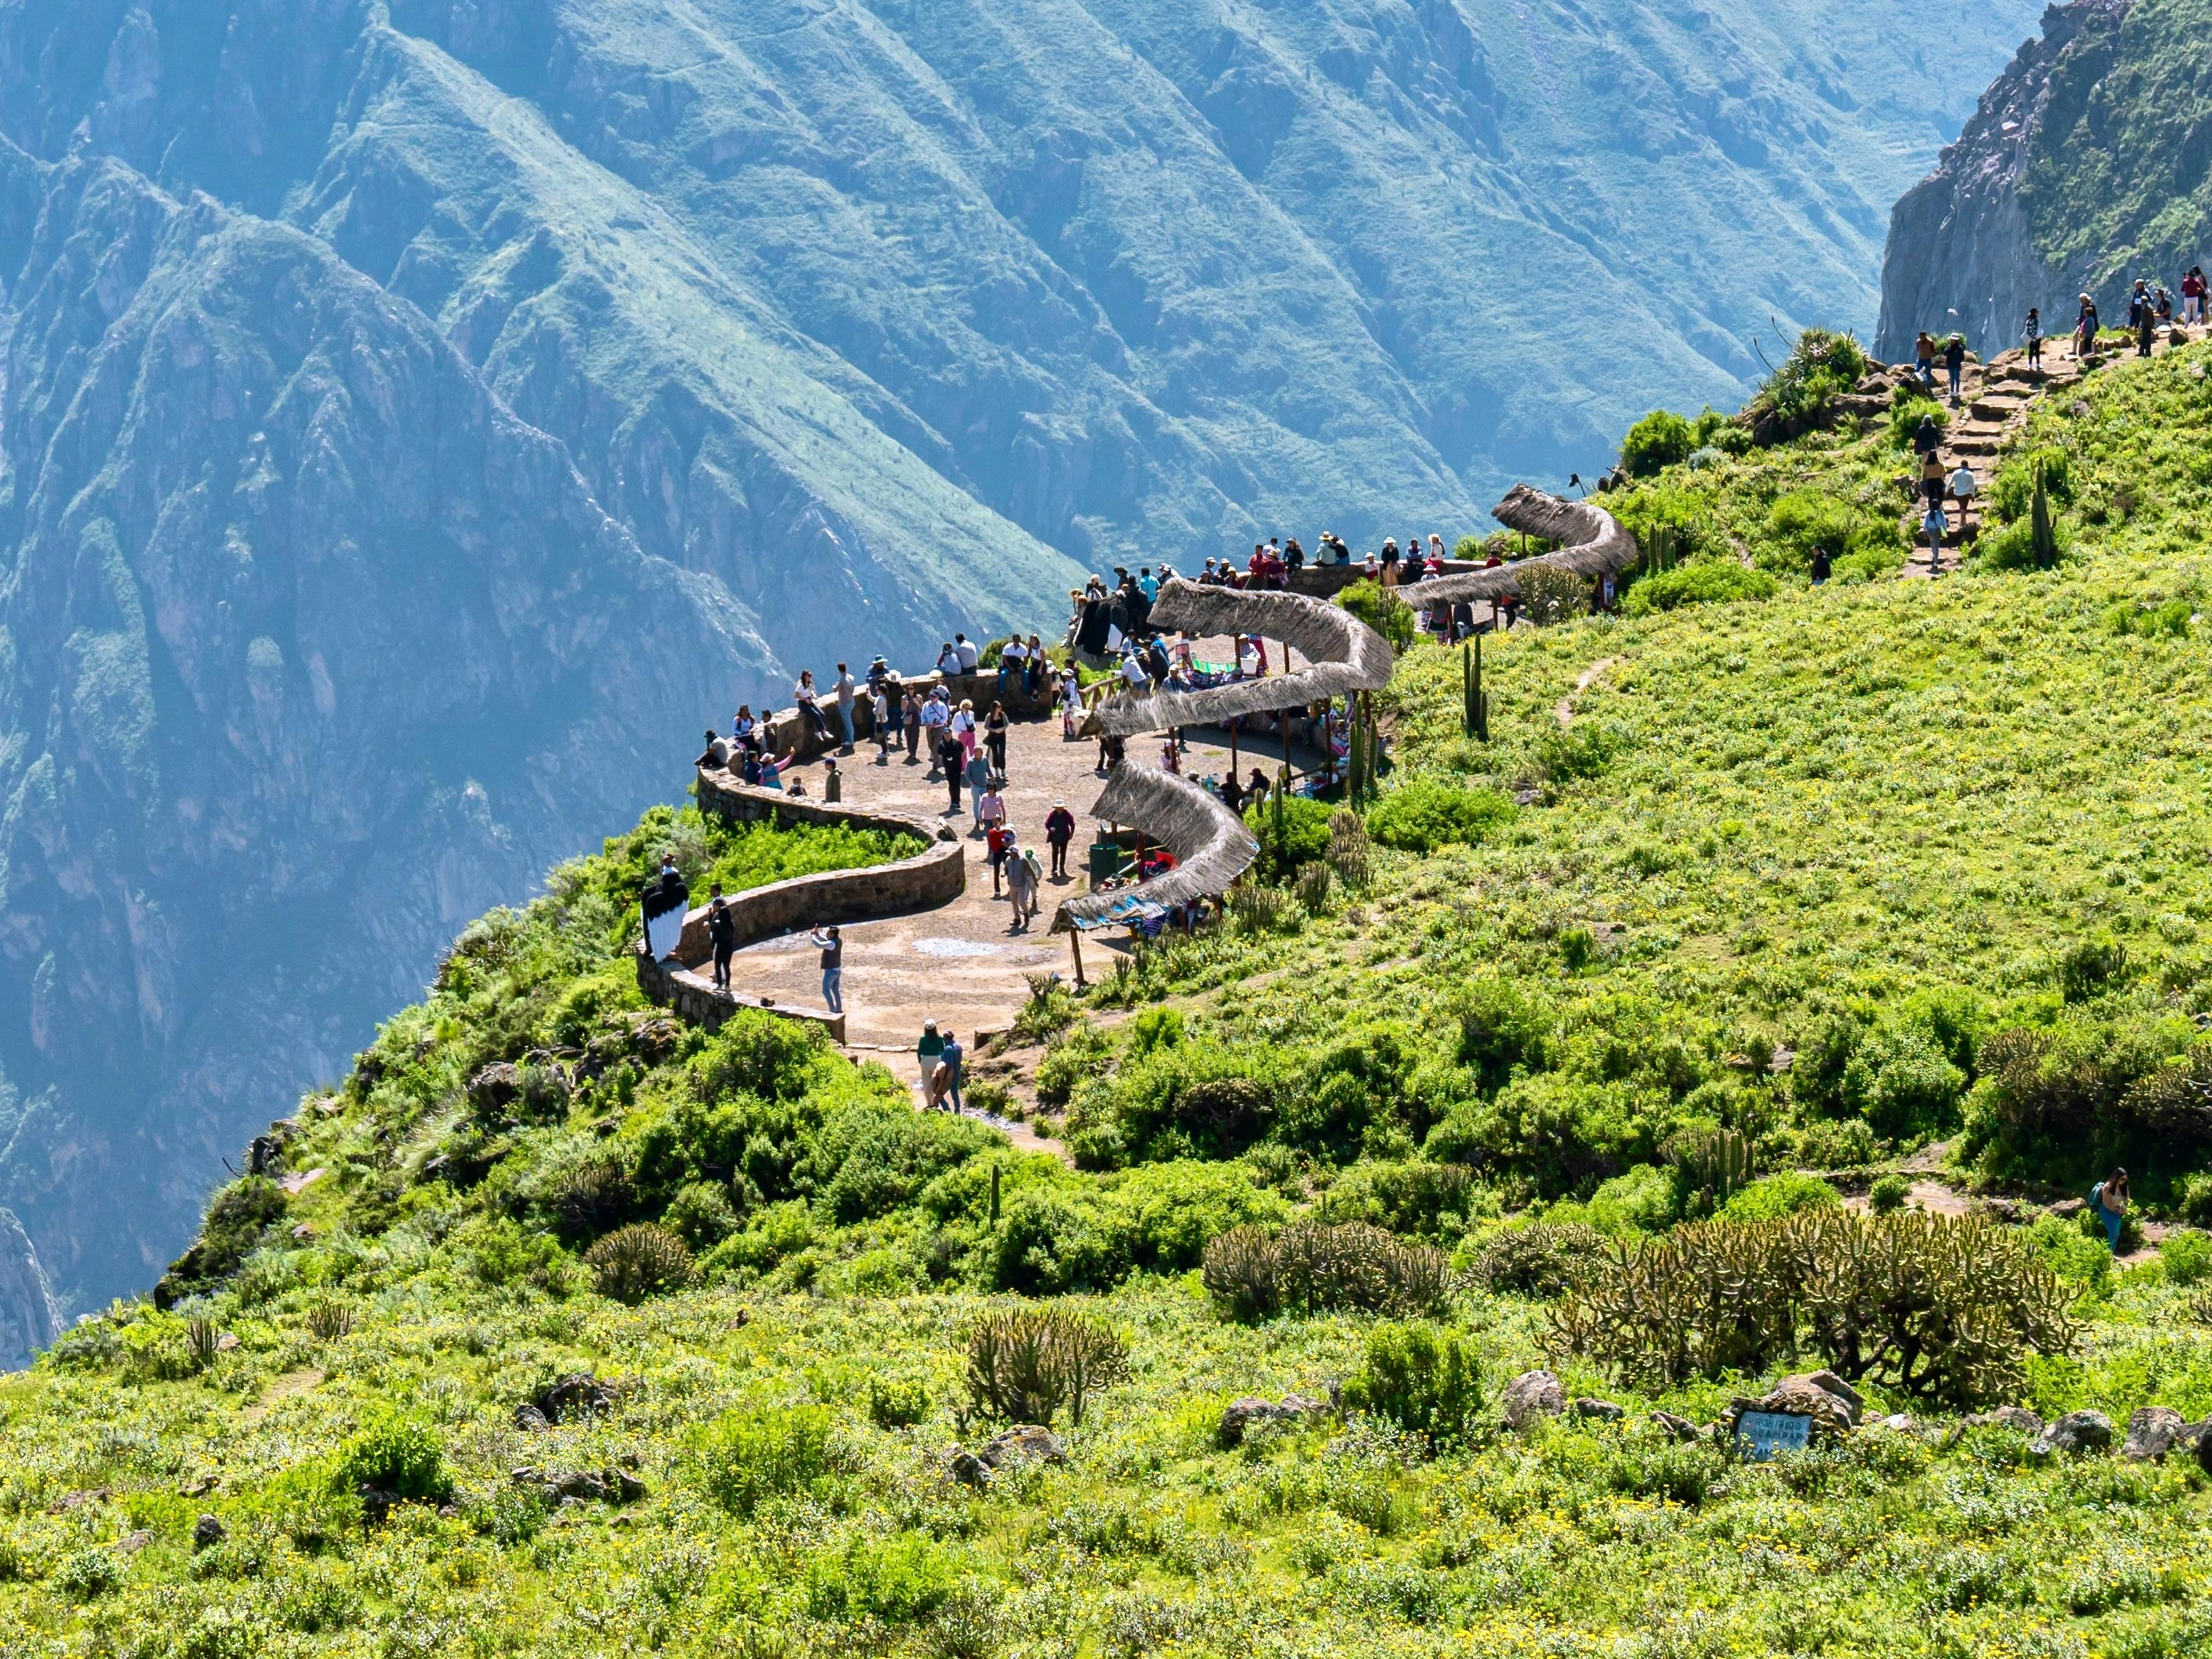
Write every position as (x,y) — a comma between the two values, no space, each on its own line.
(1025,1363)
(2043,535)
(1350,852)
(1477,716)
(1930,1307)
(1710,1166)
(1312,1267)
(638,1261)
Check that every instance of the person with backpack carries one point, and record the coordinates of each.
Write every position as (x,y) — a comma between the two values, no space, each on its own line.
(1022,880)
(880,712)
(1935,526)
(2108,1202)
(1954,364)
(1059,831)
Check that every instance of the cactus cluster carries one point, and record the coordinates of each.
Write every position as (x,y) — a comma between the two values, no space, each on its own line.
(637,1262)
(1710,1166)
(1313,1267)
(1540,1259)
(1025,1364)
(1938,1309)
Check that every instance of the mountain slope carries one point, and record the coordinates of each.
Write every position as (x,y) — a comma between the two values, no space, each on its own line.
(728,337)
(2087,165)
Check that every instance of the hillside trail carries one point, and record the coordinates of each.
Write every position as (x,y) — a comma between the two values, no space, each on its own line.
(1996,398)
(1564,710)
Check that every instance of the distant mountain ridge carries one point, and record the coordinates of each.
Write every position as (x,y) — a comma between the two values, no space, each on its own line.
(2088,164)
(418,416)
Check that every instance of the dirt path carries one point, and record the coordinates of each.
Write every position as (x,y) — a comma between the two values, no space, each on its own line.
(1564,709)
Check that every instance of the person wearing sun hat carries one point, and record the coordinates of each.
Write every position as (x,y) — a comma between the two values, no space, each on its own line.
(1058,830)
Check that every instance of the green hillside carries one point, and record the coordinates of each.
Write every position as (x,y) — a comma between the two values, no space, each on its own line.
(1891,871)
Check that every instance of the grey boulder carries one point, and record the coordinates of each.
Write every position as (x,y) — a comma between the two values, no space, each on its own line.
(1531,1395)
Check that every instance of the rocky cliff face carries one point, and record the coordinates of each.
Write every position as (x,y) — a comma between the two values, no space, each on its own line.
(2088,164)
(417,415)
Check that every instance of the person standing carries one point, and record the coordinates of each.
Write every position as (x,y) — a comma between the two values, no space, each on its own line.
(910,723)
(2084,327)
(833,783)
(949,758)
(963,725)
(2146,330)
(934,715)
(1033,667)
(722,936)
(832,947)
(2032,335)
(1022,879)
(927,1052)
(968,652)
(978,771)
(1823,567)
(2193,295)
(1923,359)
(880,714)
(1954,364)
(995,738)
(2108,1202)
(1059,831)
(1071,705)
(844,689)
(1933,479)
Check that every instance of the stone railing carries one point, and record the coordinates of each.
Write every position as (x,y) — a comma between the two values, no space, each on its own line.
(787,731)
(936,876)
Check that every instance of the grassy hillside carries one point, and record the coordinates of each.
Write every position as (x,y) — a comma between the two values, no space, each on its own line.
(1888,867)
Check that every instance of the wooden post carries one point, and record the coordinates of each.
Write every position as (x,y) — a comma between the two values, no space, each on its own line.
(1075,941)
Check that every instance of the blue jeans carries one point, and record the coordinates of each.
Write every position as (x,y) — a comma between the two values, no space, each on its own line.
(844,727)
(2113,1220)
(833,989)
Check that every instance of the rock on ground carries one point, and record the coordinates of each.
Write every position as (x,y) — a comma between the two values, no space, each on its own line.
(1530,1395)
(2075,1433)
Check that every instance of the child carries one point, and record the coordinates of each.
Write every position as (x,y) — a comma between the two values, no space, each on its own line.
(2032,334)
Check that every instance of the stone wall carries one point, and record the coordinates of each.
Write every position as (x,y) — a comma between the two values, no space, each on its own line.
(934,877)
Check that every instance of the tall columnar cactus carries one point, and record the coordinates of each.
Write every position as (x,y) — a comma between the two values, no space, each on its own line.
(1356,764)
(1478,699)
(2042,534)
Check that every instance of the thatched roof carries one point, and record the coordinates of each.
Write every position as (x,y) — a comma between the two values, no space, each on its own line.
(1592,545)
(1210,844)
(1344,655)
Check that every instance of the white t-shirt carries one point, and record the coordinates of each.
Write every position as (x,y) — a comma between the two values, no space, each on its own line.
(968,655)
(933,713)
(1962,482)
(1133,673)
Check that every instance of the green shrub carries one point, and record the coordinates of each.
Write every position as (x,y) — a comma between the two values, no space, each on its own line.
(897,1402)
(900,1580)
(2192,1199)
(1423,814)
(1080,1052)
(88,1574)
(2068,1251)
(1659,439)
(1903,1083)
(1905,414)
(1303,835)
(1771,1197)
(1025,1363)
(1421,1377)
(2013,490)
(2186,1257)
(394,1454)
(700,1214)
(1381,610)
(1888,1193)
(1584,749)
(1313,1267)
(1644,1200)
(1705,581)
(744,1457)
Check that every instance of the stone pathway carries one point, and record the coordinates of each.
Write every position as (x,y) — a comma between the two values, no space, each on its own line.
(962,964)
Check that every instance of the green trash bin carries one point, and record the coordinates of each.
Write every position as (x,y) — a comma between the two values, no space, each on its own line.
(1105,861)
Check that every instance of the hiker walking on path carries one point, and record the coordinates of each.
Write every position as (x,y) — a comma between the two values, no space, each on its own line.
(1058,830)
(910,724)
(1962,491)
(947,1080)
(1934,525)
(721,935)
(832,947)
(990,818)
(1933,479)
(2032,337)
(1954,364)
(1923,359)
(927,1052)
(2108,1202)
(1022,878)
(1927,437)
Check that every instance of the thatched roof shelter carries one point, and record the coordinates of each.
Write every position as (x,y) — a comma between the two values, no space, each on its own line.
(1593,544)
(1210,844)
(1344,655)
